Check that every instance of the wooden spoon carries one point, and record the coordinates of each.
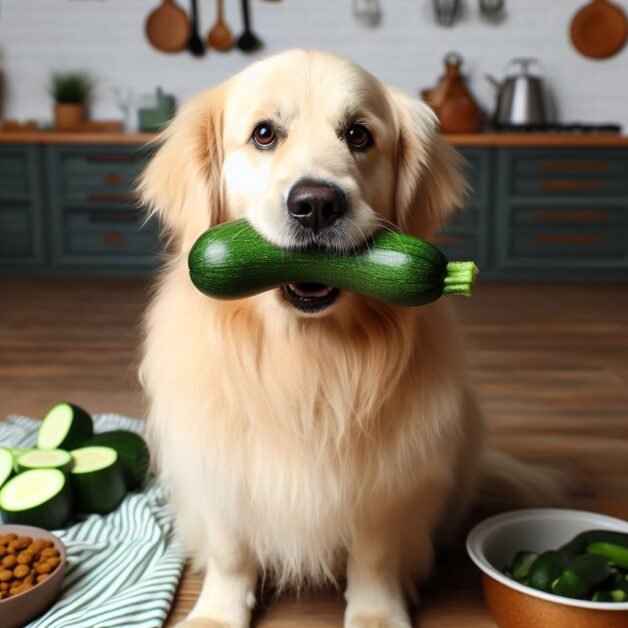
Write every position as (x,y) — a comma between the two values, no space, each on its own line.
(599,29)
(168,28)
(248,41)
(220,36)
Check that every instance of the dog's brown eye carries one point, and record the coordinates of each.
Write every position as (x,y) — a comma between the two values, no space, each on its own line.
(264,135)
(358,137)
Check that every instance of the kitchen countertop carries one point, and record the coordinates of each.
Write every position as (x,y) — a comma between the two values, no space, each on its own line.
(602,140)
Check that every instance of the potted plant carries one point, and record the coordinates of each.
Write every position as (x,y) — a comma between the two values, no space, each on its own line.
(71,91)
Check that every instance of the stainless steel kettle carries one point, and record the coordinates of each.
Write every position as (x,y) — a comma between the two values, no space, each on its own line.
(521,97)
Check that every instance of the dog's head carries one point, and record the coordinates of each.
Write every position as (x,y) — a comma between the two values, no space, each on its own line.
(314,151)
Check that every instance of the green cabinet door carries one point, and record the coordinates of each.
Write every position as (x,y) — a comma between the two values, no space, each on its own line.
(22,242)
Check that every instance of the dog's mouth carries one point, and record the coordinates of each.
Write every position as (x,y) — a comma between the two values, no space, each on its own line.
(309,298)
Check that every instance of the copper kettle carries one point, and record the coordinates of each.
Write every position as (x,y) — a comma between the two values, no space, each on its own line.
(451,100)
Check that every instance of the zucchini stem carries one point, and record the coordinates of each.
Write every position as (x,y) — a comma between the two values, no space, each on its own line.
(460,277)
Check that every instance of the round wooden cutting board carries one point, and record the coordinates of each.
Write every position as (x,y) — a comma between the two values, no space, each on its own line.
(599,29)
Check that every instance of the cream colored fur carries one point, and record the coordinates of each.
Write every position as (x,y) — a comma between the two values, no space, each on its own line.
(300,446)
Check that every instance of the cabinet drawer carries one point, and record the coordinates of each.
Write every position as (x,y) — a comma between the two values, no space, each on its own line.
(109,233)
(98,175)
(16,172)
(567,244)
(563,173)
(467,217)
(15,244)
(570,164)
(582,217)
(14,217)
(458,246)
(476,170)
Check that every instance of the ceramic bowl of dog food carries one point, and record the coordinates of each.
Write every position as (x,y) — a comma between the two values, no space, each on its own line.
(493,543)
(28,603)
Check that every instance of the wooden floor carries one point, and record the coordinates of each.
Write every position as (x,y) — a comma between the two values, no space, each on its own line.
(550,363)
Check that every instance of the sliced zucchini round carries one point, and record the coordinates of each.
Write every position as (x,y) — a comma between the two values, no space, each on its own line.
(44,459)
(39,497)
(97,479)
(6,465)
(132,453)
(65,426)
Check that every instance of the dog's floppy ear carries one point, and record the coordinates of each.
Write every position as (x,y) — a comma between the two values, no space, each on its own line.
(181,184)
(430,184)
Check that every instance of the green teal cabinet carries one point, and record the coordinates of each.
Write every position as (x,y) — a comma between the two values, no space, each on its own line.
(22,242)
(561,213)
(97,224)
(464,237)
(533,213)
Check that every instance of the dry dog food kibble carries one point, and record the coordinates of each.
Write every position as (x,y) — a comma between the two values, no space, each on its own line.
(25,562)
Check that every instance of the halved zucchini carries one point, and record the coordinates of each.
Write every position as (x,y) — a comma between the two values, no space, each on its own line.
(6,465)
(39,497)
(97,479)
(132,453)
(65,426)
(44,459)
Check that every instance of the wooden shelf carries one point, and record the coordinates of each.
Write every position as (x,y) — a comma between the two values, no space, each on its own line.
(540,140)
(559,140)
(59,137)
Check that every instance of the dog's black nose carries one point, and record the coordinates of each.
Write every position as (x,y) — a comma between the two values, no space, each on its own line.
(315,204)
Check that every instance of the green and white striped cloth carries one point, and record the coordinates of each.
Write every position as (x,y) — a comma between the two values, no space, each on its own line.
(123,568)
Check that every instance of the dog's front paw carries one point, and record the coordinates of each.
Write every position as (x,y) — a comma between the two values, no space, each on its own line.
(376,621)
(201,622)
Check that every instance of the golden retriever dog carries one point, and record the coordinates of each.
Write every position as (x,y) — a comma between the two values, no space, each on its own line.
(307,433)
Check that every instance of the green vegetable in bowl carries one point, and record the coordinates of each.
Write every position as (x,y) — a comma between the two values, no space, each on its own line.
(521,565)
(593,565)
(232,261)
(583,574)
(617,554)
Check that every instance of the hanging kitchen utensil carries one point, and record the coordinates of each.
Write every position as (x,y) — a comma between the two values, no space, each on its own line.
(220,37)
(457,110)
(195,43)
(167,27)
(599,29)
(446,12)
(367,12)
(248,41)
(492,10)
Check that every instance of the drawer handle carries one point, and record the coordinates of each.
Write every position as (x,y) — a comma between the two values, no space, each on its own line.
(114,217)
(114,238)
(446,239)
(109,158)
(113,179)
(571,216)
(574,166)
(569,185)
(112,198)
(571,238)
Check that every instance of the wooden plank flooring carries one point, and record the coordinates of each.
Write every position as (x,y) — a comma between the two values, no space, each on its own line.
(550,363)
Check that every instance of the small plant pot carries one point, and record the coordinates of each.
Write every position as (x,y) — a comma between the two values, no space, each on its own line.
(69,116)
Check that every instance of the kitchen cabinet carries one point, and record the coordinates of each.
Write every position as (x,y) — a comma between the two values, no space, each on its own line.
(541,207)
(96,220)
(465,237)
(561,213)
(21,207)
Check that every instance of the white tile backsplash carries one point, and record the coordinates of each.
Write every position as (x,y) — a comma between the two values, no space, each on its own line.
(107,37)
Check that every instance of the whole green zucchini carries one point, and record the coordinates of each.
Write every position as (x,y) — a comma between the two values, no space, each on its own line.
(232,261)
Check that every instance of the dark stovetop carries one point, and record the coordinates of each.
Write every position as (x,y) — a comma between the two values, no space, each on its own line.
(569,127)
